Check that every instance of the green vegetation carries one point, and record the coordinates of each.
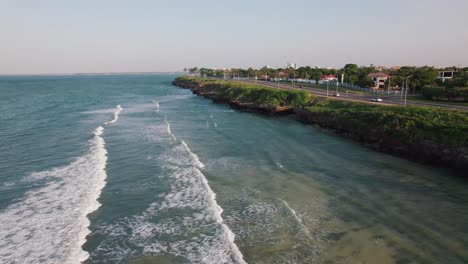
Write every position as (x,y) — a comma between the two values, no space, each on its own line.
(445,93)
(413,124)
(424,99)
(247,93)
(408,123)
(425,134)
(353,74)
(451,90)
(331,88)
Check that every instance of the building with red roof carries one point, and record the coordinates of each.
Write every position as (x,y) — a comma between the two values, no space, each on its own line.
(328,78)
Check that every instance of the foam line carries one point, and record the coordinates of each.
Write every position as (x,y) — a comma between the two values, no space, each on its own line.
(156,105)
(50,224)
(168,129)
(197,161)
(213,205)
(198,233)
(217,210)
(117,111)
(298,220)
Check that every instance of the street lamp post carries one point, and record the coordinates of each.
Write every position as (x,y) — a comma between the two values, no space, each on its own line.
(278,79)
(406,86)
(336,87)
(327,87)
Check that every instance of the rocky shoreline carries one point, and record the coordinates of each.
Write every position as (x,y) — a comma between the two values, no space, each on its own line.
(426,151)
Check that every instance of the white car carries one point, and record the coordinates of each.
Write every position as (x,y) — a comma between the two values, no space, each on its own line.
(336,94)
(376,99)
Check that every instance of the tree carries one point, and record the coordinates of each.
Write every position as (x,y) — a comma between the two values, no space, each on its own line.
(460,80)
(304,72)
(421,76)
(362,79)
(351,72)
(315,74)
(193,70)
(206,72)
(251,72)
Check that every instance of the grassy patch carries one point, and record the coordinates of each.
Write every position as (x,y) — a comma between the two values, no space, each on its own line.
(407,123)
(331,88)
(248,93)
(423,99)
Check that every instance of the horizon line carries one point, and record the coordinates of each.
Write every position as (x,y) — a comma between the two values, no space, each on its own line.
(89,73)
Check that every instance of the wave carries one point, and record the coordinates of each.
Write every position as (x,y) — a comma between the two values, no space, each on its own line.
(168,129)
(156,106)
(184,222)
(115,116)
(194,157)
(50,224)
(298,220)
(191,189)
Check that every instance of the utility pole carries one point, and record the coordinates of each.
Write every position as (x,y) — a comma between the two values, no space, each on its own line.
(294,77)
(406,89)
(327,87)
(277,79)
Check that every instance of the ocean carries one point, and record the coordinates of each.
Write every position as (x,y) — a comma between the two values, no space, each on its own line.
(130,169)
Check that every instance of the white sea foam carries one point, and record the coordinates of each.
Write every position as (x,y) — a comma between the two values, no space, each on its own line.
(117,111)
(168,128)
(191,190)
(298,220)
(100,111)
(194,157)
(156,105)
(50,224)
(185,222)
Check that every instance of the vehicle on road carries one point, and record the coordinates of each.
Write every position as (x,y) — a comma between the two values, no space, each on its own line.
(376,99)
(336,94)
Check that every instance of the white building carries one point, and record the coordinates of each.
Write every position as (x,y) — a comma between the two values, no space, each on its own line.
(290,65)
(446,74)
(378,79)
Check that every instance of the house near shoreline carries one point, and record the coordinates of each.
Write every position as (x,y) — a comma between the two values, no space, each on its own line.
(446,74)
(378,79)
(328,78)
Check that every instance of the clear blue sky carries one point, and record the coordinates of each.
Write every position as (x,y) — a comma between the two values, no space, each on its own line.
(58,36)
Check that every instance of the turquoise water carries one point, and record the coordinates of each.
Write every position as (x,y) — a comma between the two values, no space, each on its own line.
(130,169)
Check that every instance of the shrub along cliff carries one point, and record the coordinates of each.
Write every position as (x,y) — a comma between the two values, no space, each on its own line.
(455,94)
(422,134)
(245,95)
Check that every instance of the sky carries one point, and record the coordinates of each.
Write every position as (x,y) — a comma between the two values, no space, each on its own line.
(89,36)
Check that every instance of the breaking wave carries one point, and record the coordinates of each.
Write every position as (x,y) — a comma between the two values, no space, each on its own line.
(156,106)
(185,222)
(115,116)
(50,224)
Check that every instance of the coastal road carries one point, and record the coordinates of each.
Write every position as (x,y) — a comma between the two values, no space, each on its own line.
(387,99)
